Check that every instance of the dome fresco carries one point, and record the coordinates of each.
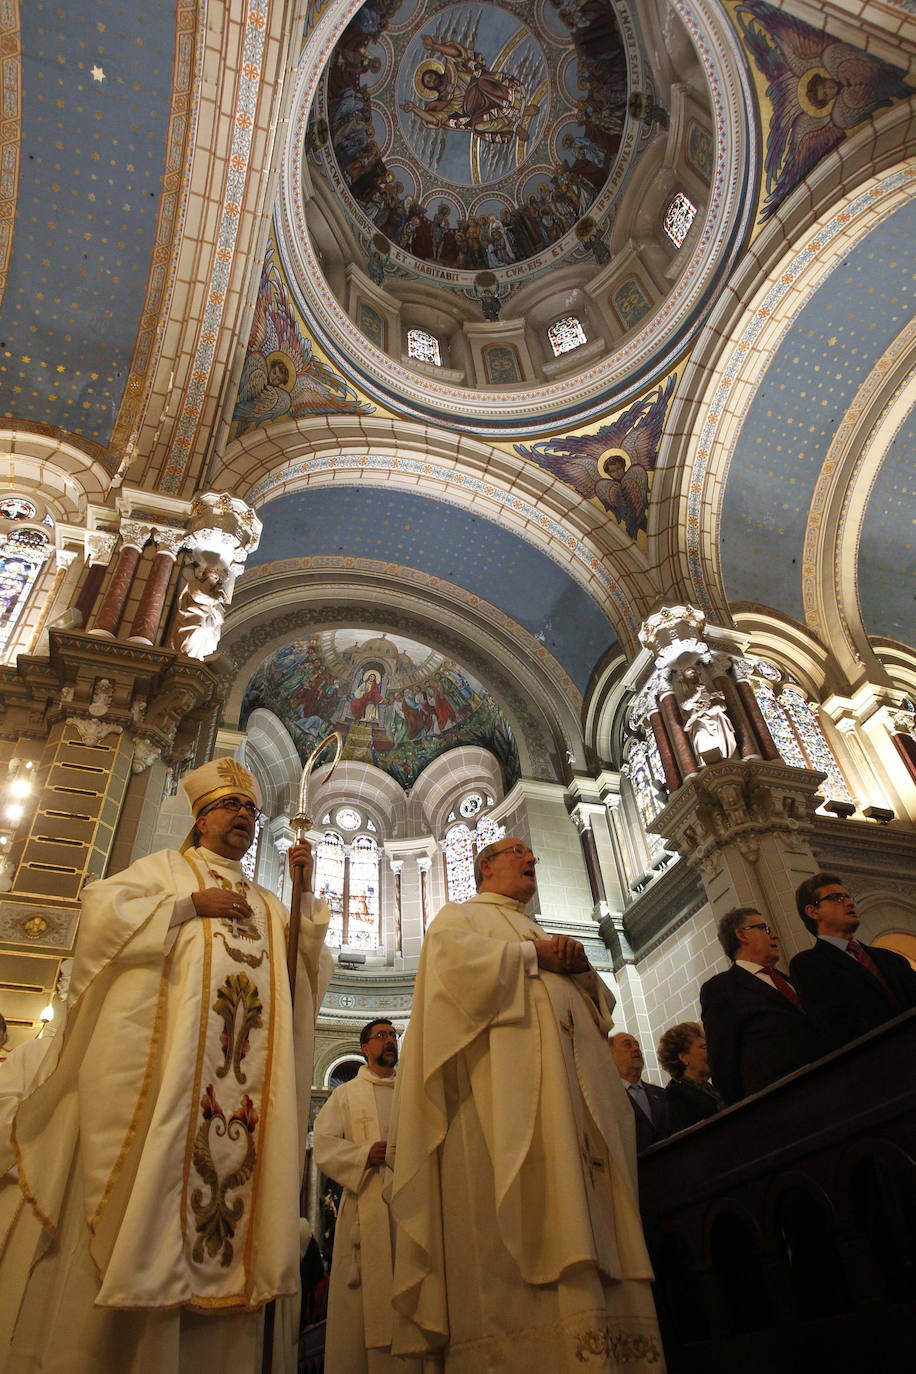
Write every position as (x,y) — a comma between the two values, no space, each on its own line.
(399,704)
(475,137)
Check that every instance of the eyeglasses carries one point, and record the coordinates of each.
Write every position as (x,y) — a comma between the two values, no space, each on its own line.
(234,804)
(384,1035)
(518,850)
(760,925)
(832,897)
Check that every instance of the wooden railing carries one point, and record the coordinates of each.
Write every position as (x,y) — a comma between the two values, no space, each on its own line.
(783,1230)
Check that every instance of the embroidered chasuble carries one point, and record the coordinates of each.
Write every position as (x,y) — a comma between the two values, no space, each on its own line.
(518,1242)
(162,1149)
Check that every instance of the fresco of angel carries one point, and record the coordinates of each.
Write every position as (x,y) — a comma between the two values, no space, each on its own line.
(281,376)
(819,88)
(613,464)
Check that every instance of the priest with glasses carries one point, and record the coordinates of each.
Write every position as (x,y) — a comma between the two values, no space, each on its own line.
(159,1154)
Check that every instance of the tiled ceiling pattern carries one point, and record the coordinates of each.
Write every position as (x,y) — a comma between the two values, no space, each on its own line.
(887,561)
(456,545)
(96,87)
(826,355)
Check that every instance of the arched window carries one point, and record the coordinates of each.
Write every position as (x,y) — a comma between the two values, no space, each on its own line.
(459,847)
(679,216)
(347,878)
(566,334)
(796,731)
(23,553)
(643,767)
(424,347)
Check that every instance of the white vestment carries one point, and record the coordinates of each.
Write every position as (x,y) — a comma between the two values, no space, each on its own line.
(518,1241)
(161,1147)
(355,1116)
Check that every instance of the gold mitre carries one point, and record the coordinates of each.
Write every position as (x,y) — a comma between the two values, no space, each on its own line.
(218,778)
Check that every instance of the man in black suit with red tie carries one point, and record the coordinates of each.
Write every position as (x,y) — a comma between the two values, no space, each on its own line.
(847,987)
(756,1027)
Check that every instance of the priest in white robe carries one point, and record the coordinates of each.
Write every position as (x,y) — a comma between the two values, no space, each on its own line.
(160,1150)
(349,1145)
(518,1241)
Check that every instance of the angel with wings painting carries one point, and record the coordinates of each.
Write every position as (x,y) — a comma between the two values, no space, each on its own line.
(613,464)
(819,88)
(281,376)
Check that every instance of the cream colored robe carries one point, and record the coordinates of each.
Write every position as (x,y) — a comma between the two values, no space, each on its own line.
(163,1145)
(518,1242)
(359,1307)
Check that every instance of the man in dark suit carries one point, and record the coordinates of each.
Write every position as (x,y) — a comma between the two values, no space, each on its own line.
(756,1028)
(847,987)
(651,1108)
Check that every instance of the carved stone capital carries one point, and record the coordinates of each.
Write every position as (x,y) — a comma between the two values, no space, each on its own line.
(63,558)
(100,546)
(670,625)
(93,729)
(134,534)
(169,540)
(738,802)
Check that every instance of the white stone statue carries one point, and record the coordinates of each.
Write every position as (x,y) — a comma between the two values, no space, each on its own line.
(201,607)
(705,719)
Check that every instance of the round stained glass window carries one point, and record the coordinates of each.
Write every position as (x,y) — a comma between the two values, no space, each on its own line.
(766,670)
(348,819)
(471,804)
(17,508)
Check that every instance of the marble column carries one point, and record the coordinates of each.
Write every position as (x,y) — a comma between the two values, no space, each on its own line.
(146,626)
(100,546)
(133,540)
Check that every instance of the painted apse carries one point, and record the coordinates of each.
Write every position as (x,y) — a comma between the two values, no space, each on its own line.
(398,704)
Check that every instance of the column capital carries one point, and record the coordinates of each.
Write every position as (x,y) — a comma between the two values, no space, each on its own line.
(100,546)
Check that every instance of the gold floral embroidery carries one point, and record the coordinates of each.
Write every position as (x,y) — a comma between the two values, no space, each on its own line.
(238,994)
(625,1347)
(239,955)
(216,1219)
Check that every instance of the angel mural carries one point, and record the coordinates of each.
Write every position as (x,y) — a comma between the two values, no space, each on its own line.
(820,89)
(281,376)
(464,94)
(614,463)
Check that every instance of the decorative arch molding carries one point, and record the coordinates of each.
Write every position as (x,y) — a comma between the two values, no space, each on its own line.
(612,379)
(505,489)
(899,662)
(461,769)
(64,475)
(744,332)
(789,645)
(359,784)
(840,501)
(274,760)
(605,713)
(544,726)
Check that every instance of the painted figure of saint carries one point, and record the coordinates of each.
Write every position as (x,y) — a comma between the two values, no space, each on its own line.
(466,96)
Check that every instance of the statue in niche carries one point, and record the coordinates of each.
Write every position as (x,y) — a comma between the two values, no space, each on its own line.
(201,608)
(705,719)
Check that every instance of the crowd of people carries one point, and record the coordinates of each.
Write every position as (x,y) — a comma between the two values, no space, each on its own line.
(151,1161)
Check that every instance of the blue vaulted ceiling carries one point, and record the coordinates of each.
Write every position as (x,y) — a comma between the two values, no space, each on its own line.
(96,87)
(829,350)
(458,546)
(887,543)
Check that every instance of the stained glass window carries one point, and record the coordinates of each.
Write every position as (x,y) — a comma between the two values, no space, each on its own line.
(488,832)
(470,805)
(363,923)
(250,857)
(461,844)
(678,218)
(645,791)
(17,508)
(818,751)
(348,818)
(459,864)
(424,347)
(566,334)
(330,862)
(22,555)
(778,725)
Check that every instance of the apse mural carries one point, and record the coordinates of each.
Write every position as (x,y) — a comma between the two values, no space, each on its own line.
(473,136)
(281,376)
(820,90)
(399,704)
(613,464)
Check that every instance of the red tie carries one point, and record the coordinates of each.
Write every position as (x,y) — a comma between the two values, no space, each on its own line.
(783,985)
(863,957)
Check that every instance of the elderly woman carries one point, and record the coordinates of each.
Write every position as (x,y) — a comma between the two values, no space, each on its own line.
(691,1096)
